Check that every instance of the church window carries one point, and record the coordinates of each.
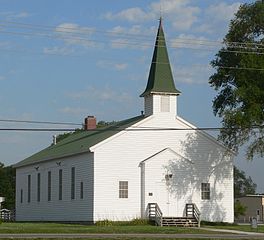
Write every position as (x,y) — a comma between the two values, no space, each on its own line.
(165,103)
(38,187)
(81,190)
(72,182)
(21,196)
(60,184)
(29,188)
(49,185)
(205,194)
(123,189)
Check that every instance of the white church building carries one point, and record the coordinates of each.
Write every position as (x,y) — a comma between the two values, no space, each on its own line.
(119,172)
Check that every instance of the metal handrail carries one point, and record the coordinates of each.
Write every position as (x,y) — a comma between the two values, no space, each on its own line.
(195,212)
(157,213)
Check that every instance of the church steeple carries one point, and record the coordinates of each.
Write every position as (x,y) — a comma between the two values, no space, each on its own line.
(160,94)
(160,78)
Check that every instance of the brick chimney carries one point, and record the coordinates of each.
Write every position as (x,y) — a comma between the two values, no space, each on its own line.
(90,123)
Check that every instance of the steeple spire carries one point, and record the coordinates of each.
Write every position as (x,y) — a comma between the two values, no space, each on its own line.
(160,78)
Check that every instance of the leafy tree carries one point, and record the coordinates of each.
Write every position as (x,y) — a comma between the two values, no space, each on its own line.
(242,184)
(239,209)
(100,124)
(62,136)
(239,81)
(7,186)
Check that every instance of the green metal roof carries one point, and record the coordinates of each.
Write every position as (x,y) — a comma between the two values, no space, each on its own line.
(160,78)
(78,142)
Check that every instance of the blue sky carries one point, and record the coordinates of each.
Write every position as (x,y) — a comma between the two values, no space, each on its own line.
(64,60)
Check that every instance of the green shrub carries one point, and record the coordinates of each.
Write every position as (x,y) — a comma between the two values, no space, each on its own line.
(139,221)
(104,222)
(217,223)
(133,222)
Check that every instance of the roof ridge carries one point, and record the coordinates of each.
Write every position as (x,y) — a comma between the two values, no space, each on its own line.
(73,145)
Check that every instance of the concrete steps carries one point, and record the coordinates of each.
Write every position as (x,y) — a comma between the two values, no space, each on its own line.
(179,222)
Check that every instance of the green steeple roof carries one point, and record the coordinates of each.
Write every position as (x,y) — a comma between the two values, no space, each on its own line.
(160,78)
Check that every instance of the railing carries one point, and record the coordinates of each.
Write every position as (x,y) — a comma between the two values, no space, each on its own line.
(7,215)
(155,213)
(193,211)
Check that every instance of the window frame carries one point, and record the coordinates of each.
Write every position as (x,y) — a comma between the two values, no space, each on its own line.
(21,195)
(38,186)
(205,191)
(72,183)
(49,186)
(123,189)
(29,188)
(81,190)
(60,184)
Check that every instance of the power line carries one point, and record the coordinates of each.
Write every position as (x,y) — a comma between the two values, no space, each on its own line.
(241,68)
(116,128)
(38,129)
(195,65)
(71,55)
(135,37)
(134,44)
(224,67)
(39,122)
(86,30)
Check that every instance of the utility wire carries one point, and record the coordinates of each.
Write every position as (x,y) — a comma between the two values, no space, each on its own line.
(116,128)
(135,44)
(39,122)
(89,30)
(71,55)
(224,67)
(135,37)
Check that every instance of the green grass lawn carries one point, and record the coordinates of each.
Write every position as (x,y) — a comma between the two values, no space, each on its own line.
(78,228)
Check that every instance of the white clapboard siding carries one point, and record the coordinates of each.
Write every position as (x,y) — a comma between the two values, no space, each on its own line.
(56,210)
(118,159)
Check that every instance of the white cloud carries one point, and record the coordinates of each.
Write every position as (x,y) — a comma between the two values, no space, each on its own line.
(181,13)
(73,110)
(130,14)
(11,15)
(111,65)
(222,11)
(103,94)
(216,18)
(121,43)
(134,37)
(58,50)
(73,34)
(190,41)
(121,66)
(195,74)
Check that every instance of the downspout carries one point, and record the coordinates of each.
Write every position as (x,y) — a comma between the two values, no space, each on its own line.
(142,189)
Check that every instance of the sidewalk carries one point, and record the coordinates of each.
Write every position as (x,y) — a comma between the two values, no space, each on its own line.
(233,231)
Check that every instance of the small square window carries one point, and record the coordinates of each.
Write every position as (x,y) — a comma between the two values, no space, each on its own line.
(205,191)
(123,189)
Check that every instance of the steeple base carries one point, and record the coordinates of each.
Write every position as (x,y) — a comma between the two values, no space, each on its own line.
(160,104)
